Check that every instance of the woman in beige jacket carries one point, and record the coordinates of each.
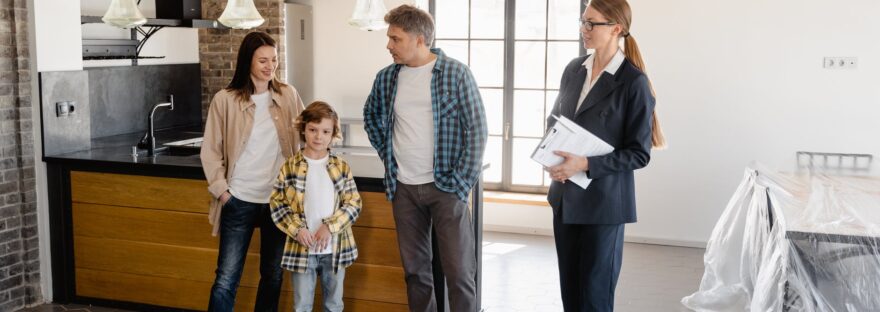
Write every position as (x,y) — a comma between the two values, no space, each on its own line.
(248,135)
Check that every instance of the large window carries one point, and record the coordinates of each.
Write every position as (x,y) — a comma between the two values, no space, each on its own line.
(517,51)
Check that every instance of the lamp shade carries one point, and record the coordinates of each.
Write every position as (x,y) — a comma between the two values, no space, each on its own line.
(241,14)
(124,14)
(369,15)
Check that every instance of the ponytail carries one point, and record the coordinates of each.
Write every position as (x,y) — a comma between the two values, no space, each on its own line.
(631,50)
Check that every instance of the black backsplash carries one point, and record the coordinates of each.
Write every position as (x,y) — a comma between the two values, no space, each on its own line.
(120,98)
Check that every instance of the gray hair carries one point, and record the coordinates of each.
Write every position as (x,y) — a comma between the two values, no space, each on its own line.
(413,20)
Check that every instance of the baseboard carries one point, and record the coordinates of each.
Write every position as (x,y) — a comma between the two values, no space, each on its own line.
(664,242)
(517,229)
(626,238)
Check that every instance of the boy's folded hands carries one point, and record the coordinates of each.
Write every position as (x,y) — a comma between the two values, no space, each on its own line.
(304,237)
(322,237)
(317,240)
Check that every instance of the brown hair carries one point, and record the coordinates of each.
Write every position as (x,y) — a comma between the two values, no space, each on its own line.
(618,11)
(242,85)
(316,112)
(412,20)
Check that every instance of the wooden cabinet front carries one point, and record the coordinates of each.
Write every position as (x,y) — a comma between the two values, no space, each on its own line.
(147,240)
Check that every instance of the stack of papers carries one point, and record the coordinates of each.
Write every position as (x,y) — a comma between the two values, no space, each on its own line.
(567,136)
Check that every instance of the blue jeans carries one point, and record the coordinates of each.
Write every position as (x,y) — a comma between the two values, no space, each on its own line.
(237,222)
(331,285)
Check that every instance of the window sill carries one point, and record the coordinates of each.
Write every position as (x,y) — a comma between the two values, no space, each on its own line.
(516,198)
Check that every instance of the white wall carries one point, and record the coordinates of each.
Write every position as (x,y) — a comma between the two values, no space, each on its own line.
(39,166)
(55,46)
(177,45)
(57,35)
(346,58)
(517,218)
(736,82)
(743,80)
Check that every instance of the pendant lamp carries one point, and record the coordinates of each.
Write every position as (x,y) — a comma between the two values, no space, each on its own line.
(369,15)
(241,14)
(124,14)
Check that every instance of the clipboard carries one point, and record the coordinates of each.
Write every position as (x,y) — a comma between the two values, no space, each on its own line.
(568,136)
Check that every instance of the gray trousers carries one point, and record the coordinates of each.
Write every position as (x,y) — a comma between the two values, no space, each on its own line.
(418,208)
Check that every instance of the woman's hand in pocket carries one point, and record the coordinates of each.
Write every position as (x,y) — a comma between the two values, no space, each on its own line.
(224,198)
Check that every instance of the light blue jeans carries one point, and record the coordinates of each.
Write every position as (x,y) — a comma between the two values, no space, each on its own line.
(331,285)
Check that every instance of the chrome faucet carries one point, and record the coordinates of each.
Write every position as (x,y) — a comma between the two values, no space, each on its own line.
(150,138)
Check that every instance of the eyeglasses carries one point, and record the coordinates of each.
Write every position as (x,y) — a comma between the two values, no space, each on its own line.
(588,25)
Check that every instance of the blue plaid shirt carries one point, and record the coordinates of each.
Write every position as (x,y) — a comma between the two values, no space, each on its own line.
(459,125)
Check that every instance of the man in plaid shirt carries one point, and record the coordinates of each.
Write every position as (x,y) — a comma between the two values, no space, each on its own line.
(426,119)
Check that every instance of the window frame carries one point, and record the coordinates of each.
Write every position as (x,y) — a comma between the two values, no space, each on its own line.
(508,87)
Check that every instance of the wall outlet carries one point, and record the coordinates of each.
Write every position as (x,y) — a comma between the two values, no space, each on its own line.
(72,106)
(65,108)
(830,62)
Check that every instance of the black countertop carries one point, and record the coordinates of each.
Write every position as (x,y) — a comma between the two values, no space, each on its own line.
(116,152)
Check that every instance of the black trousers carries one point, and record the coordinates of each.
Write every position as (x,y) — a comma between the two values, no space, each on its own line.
(589,264)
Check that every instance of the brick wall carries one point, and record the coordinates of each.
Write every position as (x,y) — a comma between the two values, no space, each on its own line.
(218,48)
(19,253)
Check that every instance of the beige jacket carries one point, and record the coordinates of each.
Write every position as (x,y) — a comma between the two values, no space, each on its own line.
(227,130)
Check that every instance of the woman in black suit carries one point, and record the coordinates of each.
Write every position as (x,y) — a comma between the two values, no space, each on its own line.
(607,93)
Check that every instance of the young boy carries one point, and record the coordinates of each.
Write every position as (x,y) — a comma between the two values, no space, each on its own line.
(315,202)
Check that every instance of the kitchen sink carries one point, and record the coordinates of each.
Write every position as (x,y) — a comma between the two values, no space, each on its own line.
(180,151)
(187,147)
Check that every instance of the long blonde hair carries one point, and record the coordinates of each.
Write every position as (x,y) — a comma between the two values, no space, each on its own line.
(618,11)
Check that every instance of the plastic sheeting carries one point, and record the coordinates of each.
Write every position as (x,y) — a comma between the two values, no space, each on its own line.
(794,243)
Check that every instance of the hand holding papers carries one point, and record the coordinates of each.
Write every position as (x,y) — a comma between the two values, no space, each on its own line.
(567,136)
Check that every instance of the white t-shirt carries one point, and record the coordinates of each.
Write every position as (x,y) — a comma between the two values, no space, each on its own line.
(413,138)
(260,161)
(319,199)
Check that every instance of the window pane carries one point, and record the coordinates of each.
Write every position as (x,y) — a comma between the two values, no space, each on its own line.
(564,22)
(457,49)
(488,19)
(528,110)
(558,56)
(493,157)
(527,171)
(529,68)
(547,179)
(451,19)
(493,102)
(487,62)
(531,19)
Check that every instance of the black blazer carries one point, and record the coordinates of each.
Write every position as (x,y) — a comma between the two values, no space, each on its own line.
(619,110)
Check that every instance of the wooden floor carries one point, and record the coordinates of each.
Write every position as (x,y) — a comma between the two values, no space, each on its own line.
(520,274)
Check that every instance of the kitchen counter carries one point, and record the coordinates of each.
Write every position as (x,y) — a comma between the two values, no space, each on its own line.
(116,152)
(132,232)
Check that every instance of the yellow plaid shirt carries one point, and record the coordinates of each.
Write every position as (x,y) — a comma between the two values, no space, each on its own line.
(289,215)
